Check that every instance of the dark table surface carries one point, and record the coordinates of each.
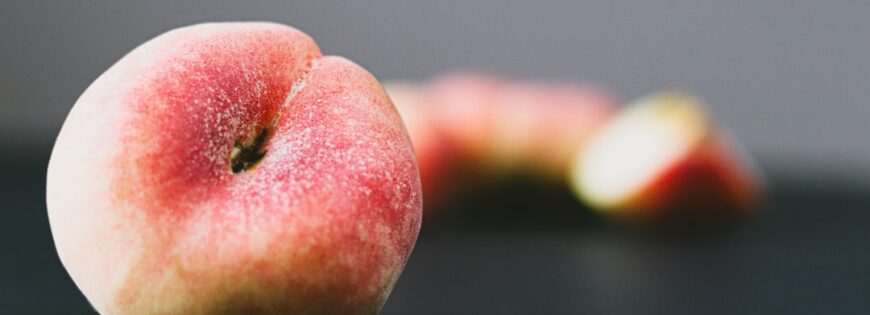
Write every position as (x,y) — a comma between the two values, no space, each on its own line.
(523,248)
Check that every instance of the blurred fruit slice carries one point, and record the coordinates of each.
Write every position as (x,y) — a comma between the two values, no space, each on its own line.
(663,157)
(488,127)
(540,125)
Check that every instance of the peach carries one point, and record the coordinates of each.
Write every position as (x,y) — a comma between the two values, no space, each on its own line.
(664,157)
(230,168)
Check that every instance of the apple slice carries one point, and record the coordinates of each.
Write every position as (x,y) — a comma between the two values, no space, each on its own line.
(664,157)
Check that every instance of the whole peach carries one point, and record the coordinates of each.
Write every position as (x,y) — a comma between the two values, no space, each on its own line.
(230,168)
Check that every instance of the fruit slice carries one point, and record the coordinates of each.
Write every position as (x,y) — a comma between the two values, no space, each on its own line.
(663,156)
(540,125)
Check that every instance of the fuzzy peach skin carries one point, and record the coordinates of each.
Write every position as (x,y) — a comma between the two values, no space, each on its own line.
(435,153)
(229,168)
(664,157)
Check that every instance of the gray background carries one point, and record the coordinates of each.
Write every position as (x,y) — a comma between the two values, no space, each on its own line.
(790,77)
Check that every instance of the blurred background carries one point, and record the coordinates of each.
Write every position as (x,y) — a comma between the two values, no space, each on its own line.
(791,78)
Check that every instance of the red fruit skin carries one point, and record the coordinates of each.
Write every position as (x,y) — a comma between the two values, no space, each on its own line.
(149,218)
(665,163)
(711,182)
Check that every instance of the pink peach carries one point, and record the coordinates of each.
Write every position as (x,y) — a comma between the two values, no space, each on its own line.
(229,168)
